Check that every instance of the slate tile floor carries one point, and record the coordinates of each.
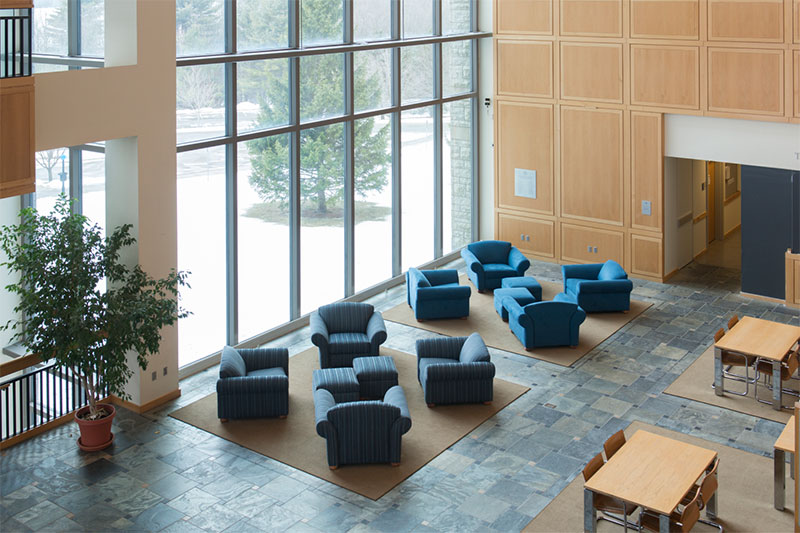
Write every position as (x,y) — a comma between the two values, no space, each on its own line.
(163,475)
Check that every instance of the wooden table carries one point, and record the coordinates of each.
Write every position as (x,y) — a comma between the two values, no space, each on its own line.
(650,471)
(768,340)
(784,445)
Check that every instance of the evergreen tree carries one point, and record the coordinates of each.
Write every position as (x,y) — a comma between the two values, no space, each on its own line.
(321,149)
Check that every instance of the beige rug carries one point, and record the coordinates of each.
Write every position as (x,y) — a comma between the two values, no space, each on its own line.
(294,440)
(484,319)
(744,498)
(695,384)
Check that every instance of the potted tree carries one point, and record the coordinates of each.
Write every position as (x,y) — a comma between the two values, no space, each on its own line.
(82,307)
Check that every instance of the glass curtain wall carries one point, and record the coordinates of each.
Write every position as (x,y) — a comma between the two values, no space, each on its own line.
(320,152)
(68,34)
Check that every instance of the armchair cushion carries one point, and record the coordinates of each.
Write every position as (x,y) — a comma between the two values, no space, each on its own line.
(267,372)
(231,364)
(494,270)
(611,270)
(349,342)
(474,350)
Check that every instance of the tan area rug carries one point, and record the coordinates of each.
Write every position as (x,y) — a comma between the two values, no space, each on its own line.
(695,384)
(294,440)
(744,497)
(484,319)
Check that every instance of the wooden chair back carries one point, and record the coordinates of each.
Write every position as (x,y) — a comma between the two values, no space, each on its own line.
(719,334)
(732,322)
(792,364)
(614,443)
(593,466)
(690,514)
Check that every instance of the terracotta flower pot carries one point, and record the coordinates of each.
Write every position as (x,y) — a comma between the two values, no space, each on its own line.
(95,434)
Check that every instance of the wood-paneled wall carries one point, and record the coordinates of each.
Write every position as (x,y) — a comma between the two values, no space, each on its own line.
(17,142)
(581,87)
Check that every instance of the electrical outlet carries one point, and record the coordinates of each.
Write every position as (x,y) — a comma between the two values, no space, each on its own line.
(595,249)
(646,207)
(589,248)
(165,371)
(527,237)
(522,236)
(154,375)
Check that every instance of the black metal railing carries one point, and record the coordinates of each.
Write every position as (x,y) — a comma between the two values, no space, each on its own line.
(16,42)
(40,395)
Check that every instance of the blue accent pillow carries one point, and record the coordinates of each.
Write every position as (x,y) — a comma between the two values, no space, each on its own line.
(611,270)
(474,350)
(231,365)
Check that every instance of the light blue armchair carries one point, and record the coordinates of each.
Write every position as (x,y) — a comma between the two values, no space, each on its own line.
(346,330)
(542,324)
(436,294)
(362,432)
(489,262)
(598,288)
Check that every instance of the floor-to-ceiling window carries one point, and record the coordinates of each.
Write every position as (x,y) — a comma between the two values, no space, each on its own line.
(68,35)
(324,146)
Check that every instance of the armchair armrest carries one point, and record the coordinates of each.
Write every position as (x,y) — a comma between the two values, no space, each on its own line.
(376,329)
(472,261)
(440,347)
(396,397)
(580,271)
(441,277)
(251,384)
(516,313)
(518,261)
(319,331)
(323,401)
(605,286)
(443,293)
(460,371)
(258,358)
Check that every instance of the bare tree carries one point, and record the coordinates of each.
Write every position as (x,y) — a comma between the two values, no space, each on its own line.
(49,159)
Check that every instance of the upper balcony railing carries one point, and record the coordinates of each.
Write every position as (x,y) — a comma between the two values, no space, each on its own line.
(15,42)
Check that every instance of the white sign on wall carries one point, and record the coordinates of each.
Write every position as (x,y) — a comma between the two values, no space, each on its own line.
(525,183)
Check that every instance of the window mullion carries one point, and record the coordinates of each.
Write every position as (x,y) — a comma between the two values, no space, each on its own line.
(397,205)
(294,163)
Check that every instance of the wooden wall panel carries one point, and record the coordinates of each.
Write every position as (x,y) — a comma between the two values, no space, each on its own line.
(525,140)
(524,17)
(796,83)
(796,21)
(533,236)
(591,164)
(647,169)
(745,81)
(577,241)
(525,68)
(741,20)
(17,141)
(591,71)
(591,17)
(647,256)
(665,19)
(665,76)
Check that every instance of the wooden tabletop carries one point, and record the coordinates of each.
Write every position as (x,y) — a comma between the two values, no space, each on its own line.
(652,471)
(786,441)
(760,338)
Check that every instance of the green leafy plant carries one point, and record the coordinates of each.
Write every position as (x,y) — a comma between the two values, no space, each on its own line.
(79,304)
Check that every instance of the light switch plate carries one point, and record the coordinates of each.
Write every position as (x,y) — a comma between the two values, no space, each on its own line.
(646,208)
(589,249)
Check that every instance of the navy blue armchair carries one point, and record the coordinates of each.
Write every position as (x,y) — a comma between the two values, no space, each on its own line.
(541,324)
(436,294)
(455,370)
(598,288)
(346,330)
(489,262)
(253,383)
(362,432)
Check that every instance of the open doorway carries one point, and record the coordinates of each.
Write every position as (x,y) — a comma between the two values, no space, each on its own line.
(705,197)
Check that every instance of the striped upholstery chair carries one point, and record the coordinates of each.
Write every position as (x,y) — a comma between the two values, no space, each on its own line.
(253,383)
(455,370)
(345,330)
(362,432)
